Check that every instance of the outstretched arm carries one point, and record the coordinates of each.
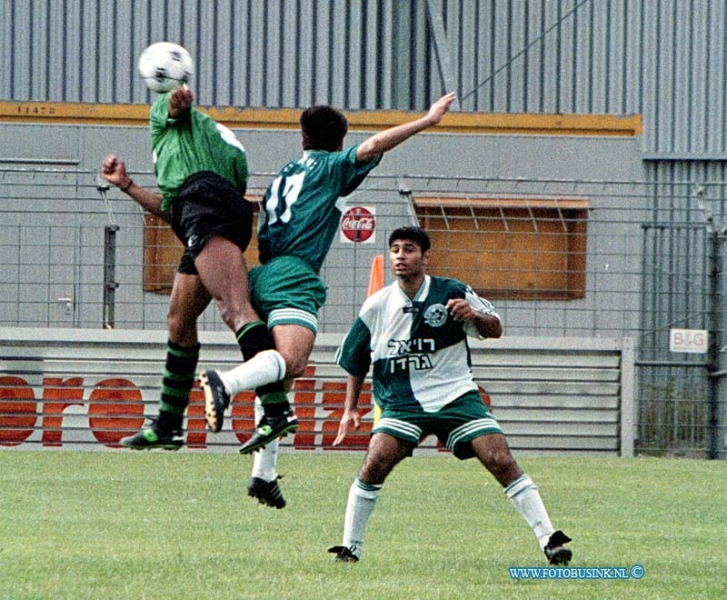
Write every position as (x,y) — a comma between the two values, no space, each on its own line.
(390,138)
(114,171)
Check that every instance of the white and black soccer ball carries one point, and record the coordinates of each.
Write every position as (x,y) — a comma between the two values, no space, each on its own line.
(164,66)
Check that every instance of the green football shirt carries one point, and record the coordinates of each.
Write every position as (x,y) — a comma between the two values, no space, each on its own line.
(301,210)
(192,143)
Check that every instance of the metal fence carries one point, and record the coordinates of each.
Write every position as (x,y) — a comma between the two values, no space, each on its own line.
(630,259)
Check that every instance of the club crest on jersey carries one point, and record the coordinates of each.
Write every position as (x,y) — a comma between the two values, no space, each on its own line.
(435,315)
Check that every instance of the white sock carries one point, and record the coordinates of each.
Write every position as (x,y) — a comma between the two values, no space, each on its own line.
(265,460)
(524,495)
(265,367)
(362,499)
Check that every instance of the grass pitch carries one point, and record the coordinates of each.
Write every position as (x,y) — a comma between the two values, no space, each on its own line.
(177,526)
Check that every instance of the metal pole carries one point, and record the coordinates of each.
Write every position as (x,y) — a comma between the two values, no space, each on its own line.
(109,261)
(109,284)
(714,316)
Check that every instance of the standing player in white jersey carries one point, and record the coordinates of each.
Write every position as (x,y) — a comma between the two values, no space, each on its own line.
(414,333)
(299,217)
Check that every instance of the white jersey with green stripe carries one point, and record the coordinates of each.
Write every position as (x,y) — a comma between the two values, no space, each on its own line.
(420,355)
(301,210)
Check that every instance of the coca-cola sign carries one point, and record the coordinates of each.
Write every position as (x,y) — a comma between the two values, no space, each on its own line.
(358,224)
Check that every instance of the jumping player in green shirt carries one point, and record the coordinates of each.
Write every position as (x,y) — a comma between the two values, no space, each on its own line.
(414,334)
(300,216)
(201,171)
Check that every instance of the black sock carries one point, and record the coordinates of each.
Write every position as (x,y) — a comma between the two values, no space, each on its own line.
(273,398)
(253,338)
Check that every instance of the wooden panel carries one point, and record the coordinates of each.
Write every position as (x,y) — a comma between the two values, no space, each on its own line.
(162,252)
(525,442)
(98,114)
(509,248)
(554,402)
(559,414)
(546,373)
(554,359)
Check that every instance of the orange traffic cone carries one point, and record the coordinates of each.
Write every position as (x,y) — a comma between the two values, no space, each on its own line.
(376,278)
(376,282)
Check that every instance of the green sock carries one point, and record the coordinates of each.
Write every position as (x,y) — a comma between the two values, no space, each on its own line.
(274,401)
(179,374)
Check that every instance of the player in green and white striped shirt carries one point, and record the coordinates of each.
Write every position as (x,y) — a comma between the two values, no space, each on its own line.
(414,334)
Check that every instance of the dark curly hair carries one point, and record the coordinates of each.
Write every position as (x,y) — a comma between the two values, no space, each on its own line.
(323,128)
(412,234)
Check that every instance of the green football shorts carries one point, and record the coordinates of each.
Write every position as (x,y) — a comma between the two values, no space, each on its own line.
(287,291)
(455,424)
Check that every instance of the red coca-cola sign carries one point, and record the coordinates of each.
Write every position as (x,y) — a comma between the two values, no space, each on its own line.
(358,224)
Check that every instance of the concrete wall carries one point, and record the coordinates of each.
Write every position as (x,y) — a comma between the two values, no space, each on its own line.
(87,389)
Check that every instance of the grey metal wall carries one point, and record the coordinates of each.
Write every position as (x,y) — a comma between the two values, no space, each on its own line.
(272,53)
(665,59)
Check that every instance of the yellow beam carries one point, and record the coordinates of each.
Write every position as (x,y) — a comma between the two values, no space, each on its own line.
(70,113)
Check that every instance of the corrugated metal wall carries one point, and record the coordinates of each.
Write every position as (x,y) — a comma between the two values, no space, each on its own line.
(663,58)
(276,53)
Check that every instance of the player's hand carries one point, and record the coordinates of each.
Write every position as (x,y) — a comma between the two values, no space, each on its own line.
(179,101)
(460,309)
(113,170)
(350,418)
(441,107)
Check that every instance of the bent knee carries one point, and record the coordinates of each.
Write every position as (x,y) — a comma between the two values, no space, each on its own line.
(502,466)
(295,367)
(501,461)
(494,452)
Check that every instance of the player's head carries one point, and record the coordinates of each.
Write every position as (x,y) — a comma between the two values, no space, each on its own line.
(409,255)
(323,128)
(412,234)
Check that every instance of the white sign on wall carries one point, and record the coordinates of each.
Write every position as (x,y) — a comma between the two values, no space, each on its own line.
(694,341)
(358,225)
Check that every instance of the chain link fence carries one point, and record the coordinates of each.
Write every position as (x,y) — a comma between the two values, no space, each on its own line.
(558,258)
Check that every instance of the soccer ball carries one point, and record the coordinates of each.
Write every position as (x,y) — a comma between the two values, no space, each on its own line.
(164,66)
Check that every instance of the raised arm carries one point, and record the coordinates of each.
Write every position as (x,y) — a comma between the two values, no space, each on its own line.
(114,171)
(390,138)
(179,101)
